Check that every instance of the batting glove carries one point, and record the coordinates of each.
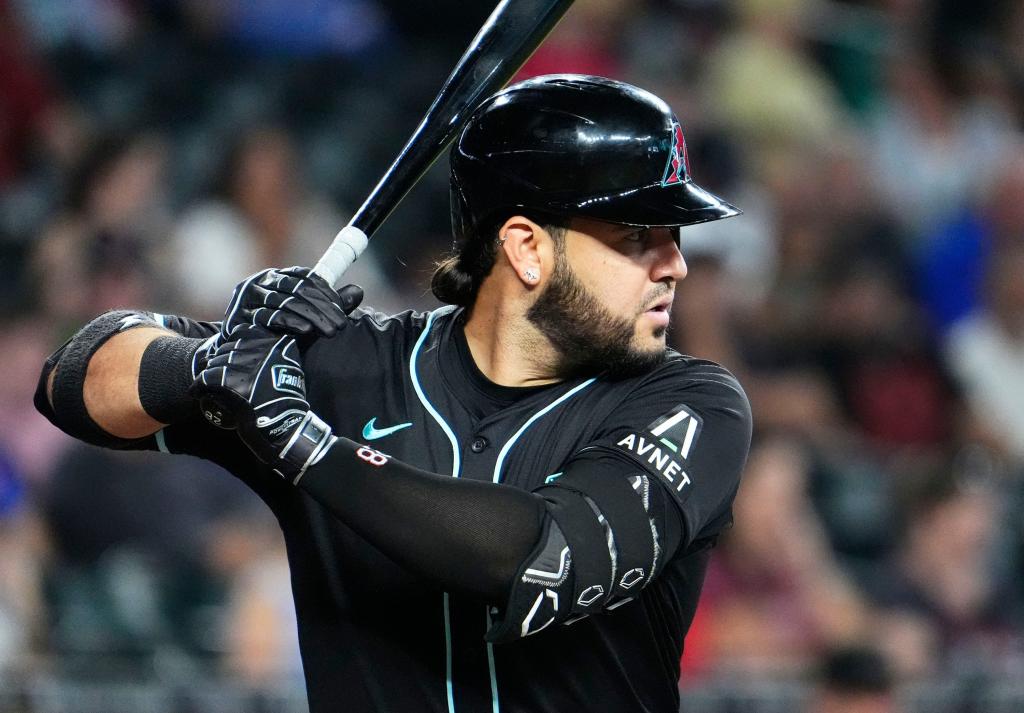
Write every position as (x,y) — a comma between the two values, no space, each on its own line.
(255,382)
(292,300)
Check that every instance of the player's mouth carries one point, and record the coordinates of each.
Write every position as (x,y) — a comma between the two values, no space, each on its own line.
(659,311)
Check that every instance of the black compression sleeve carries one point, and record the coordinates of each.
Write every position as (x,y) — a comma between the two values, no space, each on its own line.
(466,535)
(165,375)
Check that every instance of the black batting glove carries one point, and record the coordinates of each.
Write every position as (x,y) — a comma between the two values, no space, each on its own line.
(292,300)
(255,383)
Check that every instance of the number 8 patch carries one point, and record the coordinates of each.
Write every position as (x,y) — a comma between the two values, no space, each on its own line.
(371,456)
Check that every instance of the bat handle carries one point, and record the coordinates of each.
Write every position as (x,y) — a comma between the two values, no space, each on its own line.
(348,245)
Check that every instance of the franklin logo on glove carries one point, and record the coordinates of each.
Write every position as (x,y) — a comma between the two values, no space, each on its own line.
(289,379)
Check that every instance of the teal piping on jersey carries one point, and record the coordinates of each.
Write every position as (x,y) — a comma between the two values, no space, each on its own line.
(490,667)
(161,441)
(455,474)
(448,654)
(423,397)
(497,478)
(529,422)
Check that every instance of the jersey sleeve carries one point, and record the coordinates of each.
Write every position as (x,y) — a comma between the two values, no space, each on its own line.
(186,327)
(688,427)
(196,437)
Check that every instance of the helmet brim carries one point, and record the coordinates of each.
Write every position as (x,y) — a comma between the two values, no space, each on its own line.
(654,206)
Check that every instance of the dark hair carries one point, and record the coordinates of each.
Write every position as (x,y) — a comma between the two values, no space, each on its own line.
(457,278)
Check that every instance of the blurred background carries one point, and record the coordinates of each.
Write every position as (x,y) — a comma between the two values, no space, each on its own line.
(870,298)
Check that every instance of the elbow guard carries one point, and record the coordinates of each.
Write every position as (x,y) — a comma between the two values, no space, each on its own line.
(71,362)
(601,544)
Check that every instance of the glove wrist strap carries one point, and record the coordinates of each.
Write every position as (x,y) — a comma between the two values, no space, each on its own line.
(309,443)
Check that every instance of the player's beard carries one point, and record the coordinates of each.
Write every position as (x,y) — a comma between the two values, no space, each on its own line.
(589,339)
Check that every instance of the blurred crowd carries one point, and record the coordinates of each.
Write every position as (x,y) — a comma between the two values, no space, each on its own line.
(870,298)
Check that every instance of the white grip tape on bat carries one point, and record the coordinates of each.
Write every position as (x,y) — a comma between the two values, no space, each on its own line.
(348,244)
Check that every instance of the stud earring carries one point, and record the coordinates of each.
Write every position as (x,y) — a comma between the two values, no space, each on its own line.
(502,239)
(531,275)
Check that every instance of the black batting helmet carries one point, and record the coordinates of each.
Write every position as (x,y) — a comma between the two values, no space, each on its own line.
(576,145)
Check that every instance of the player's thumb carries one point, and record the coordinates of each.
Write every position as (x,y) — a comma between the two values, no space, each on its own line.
(350,297)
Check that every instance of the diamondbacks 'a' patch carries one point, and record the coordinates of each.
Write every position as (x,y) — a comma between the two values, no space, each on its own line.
(677,430)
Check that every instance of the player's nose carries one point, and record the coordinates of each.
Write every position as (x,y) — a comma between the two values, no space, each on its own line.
(668,262)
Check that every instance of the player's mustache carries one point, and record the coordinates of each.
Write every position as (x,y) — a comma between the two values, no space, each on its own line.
(655,295)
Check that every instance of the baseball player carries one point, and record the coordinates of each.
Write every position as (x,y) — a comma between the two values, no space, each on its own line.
(506,504)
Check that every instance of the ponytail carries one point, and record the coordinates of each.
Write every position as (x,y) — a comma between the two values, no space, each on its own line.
(451,285)
(457,278)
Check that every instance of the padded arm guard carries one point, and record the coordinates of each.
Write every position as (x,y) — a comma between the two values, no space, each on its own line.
(165,374)
(601,544)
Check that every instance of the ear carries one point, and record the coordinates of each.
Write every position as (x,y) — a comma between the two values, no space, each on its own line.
(528,248)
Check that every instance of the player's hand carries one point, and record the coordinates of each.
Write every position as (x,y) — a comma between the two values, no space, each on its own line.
(292,300)
(255,382)
(206,351)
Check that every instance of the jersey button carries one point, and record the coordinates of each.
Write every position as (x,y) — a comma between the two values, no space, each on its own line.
(478,445)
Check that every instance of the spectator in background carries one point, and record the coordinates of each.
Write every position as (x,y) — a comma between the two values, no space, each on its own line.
(943,609)
(986,354)
(932,153)
(766,87)
(588,41)
(775,598)
(259,214)
(29,443)
(41,136)
(951,261)
(745,252)
(101,250)
(854,680)
(1007,34)
(260,629)
(836,339)
(298,27)
(21,551)
(870,340)
(93,25)
(27,94)
(29,449)
(133,577)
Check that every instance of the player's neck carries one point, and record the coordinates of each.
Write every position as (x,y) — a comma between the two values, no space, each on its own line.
(506,348)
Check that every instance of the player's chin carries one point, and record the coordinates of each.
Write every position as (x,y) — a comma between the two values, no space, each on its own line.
(650,341)
(651,333)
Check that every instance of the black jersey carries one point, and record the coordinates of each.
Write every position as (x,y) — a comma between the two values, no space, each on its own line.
(375,637)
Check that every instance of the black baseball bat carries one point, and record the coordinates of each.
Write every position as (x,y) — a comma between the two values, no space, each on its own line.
(504,43)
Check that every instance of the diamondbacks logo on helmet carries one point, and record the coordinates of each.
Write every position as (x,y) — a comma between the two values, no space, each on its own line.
(678,162)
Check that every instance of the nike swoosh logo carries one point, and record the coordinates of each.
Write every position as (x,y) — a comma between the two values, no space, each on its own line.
(372,433)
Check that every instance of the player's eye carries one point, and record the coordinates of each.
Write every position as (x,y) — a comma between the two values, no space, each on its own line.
(637,236)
